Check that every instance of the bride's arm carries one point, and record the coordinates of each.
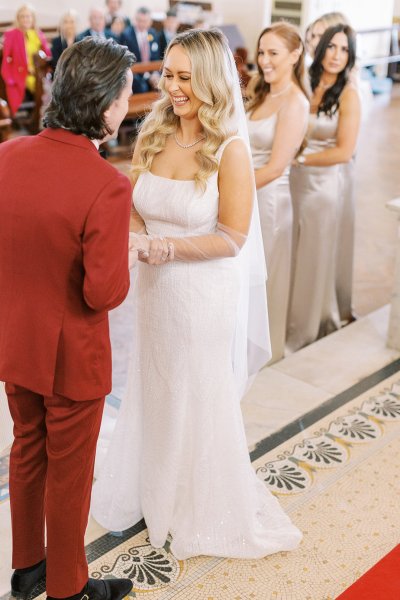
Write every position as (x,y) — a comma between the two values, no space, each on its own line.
(236,185)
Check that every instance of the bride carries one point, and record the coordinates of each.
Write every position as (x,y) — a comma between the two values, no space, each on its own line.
(178,455)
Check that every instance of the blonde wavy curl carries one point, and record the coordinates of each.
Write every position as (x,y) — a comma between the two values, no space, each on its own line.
(212,81)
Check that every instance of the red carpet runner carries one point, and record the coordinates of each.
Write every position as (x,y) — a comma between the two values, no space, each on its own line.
(382,582)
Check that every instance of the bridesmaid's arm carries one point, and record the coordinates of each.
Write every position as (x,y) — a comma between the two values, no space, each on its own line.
(347,133)
(290,131)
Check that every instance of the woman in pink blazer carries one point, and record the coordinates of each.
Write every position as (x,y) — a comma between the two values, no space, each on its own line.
(20,45)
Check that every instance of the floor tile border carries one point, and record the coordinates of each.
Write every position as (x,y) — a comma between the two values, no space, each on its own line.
(111,540)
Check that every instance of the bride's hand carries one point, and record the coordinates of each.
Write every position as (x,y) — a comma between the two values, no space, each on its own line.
(140,244)
(159,252)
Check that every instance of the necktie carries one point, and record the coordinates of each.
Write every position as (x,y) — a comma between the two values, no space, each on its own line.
(144,47)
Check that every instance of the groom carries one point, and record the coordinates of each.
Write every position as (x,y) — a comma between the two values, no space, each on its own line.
(64,218)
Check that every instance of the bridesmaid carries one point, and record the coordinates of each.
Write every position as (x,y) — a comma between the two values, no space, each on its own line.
(20,46)
(315,181)
(346,224)
(277,121)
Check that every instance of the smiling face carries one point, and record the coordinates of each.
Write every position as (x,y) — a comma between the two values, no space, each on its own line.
(337,54)
(25,19)
(274,58)
(177,75)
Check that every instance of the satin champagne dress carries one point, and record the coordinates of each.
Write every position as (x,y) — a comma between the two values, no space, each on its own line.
(313,306)
(345,245)
(276,217)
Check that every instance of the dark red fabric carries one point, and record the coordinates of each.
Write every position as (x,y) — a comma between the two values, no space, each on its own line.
(51,472)
(382,582)
(64,220)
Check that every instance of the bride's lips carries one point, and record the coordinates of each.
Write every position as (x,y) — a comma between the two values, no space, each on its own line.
(179,100)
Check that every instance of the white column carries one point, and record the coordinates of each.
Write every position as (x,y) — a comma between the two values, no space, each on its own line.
(393,340)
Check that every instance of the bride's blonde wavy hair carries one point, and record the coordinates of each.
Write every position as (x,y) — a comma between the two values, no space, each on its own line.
(212,81)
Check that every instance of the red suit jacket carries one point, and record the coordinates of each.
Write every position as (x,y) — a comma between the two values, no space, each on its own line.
(14,67)
(64,220)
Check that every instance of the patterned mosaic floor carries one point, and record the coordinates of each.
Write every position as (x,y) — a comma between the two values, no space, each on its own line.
(339,480)
(4,462)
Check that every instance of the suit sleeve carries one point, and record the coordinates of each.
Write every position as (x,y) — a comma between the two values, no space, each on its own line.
(105,246)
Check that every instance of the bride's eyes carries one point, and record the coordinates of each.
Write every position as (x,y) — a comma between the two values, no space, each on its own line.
(170,76)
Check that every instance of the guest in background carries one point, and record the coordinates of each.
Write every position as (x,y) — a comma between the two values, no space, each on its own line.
(142,40)
(170,28)
(97,25)
(277,121)
(320,25)
(68,35)
(19,47)
(113,12)
(117,28)
(315,183)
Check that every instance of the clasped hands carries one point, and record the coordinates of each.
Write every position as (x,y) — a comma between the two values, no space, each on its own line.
(149,249)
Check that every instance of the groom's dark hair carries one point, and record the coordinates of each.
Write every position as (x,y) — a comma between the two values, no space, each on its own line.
(90,75)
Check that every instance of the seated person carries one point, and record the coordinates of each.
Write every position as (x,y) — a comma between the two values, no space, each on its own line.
(114,12)
(169,31)
(68,35)
(97,26)
(142,40)
(20,44)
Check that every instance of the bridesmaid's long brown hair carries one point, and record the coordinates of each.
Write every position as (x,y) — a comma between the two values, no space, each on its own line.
(258,88)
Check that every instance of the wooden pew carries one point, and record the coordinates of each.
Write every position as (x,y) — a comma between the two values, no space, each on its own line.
(139,104)
(147,67)
(5,121)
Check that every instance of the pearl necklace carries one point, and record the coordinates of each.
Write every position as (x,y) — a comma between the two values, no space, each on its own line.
(285,89)
(187,145)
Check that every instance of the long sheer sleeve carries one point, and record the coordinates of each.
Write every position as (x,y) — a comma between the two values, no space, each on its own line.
(225,242)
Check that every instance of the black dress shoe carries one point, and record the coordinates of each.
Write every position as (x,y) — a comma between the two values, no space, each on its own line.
(102,589)
(24,581)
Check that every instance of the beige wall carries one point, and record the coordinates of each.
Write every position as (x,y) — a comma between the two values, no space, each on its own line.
(249,15)
(228,11)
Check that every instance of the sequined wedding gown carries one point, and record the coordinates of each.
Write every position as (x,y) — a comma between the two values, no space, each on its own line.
(178,455)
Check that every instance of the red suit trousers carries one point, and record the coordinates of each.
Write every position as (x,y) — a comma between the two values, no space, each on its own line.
(51,473)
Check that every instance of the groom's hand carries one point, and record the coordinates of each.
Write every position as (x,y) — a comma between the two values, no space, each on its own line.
(133,258)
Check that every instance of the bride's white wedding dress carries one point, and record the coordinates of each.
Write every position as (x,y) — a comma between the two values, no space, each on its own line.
(178,455)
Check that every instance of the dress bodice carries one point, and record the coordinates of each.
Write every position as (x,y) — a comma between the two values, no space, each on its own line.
(261,134)
(322,130)
(171,207)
